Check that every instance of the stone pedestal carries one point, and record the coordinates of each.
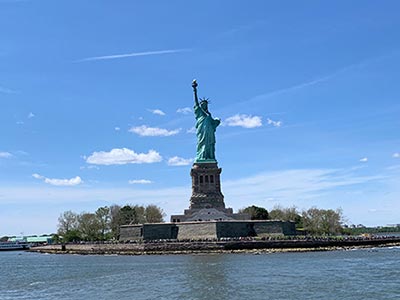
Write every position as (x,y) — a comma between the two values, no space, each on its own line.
(207,201)
(206,187)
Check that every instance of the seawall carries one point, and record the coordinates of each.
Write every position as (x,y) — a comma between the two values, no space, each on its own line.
(188,247)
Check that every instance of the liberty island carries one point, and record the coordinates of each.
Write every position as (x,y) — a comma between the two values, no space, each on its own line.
(359,274)
(208,225)
(207,216)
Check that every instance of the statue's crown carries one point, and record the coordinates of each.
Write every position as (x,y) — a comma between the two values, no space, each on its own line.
(204,100)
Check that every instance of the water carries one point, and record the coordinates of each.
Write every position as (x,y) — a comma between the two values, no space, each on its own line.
(359,274)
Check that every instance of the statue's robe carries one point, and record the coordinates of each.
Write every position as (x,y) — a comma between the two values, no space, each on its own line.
(205,130)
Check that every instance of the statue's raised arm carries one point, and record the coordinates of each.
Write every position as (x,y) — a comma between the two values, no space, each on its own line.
(194,85)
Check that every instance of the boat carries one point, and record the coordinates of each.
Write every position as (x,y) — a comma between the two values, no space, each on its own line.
(10,246)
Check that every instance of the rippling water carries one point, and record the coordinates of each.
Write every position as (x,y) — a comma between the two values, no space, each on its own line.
(359,274)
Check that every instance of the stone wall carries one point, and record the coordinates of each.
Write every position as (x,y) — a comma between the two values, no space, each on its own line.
(160,231)
(235,229)
(265,228)
(205,230)
(130,232)
(197,230)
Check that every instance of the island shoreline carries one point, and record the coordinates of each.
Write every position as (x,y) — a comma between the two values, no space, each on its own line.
(214,247)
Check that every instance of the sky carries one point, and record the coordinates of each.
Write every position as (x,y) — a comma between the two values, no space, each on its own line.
(97,105)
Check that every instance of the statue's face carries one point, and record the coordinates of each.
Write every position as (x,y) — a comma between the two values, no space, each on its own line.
(204,106)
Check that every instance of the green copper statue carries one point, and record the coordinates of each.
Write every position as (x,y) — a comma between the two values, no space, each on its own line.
(205,129)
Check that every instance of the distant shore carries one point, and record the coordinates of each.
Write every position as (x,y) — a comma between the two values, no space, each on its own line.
(198,247)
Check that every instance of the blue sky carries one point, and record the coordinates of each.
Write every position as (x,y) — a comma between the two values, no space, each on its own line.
(96,105)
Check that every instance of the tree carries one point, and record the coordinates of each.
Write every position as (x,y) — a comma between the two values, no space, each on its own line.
(72,235)
(140,214)
(127,215)
(105,222)
(277,213)
(89,227)
(56,238)
(67,221)
(103,217)
(115,220)
(154,214)
(255,212)
(323,221)
(286,214)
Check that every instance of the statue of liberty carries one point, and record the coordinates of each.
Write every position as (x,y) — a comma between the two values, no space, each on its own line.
(205,129)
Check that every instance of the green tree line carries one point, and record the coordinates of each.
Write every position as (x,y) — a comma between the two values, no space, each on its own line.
(104,223)
(313,220)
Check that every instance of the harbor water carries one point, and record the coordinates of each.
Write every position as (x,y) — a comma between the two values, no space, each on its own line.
(356,274)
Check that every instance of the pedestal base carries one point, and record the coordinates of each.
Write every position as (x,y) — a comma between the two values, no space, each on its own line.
(207,201)
(206,186)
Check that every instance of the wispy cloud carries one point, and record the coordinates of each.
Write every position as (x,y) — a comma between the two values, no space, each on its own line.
(364,159)
(177,161)
(21,152)
(245,121)
(274,123)
(133,54)
(191,130)
(5,155)
(7,90)
(302,187)
(396,155)
(91,167)
(122,157)
(140,181)
(356,193)
(12,1)
(184,110)
(157,112)
(31,115)
(59,182)
(153,131)
(317,80)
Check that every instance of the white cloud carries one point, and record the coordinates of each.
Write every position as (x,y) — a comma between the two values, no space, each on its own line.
(133,54)
(324,188)
(123,156)
(19,122)
(179,161)
(364,159)
(117,128)
(246,121)
(153,131)
(350,189)
(157,112)
(5,155)
(31,115)
(140,181)
(396,155)
(274,123)
(59,182)
(184,110)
